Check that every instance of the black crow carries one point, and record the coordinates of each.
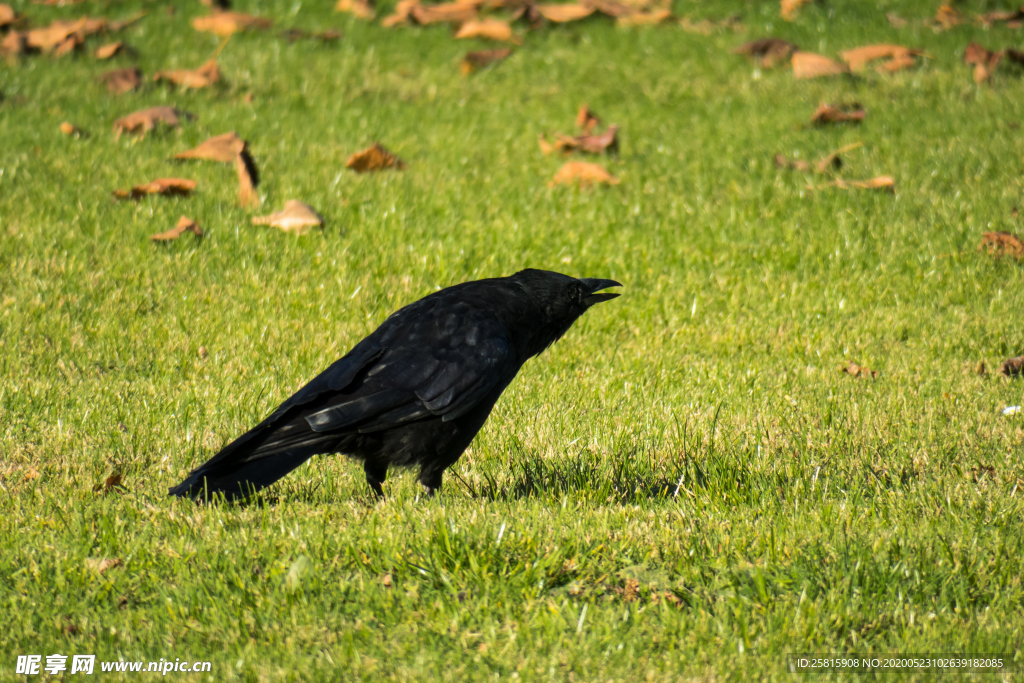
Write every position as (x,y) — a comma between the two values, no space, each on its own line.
(414,392)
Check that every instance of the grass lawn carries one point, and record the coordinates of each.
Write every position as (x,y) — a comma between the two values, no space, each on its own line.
(816,512)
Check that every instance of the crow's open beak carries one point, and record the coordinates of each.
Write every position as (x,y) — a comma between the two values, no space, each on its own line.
(594,285)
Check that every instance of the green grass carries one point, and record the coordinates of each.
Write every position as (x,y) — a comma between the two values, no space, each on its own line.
(817,513)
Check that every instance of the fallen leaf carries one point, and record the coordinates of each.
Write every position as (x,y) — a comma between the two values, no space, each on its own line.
(59,34)
(545,146)
(768,51)
(120,81)
(474,61)
(582,173)
(204,76)
(859,58)
(586,120)
(374,158)
(984,61)
(386,581)
(111,483)
(895,20)
(980,369)
(162,186)
(109,50)
(225,24)
(296,218)
(1002,244)
(789,8)
(7,15)
(810,65)
(69,129)
(594,144)
(561,14)
(248,178)
(31,474)
(223,148)
(402,13)
(897,63)
(14,43)
(795,164)
(855,370)
(184,225)
(451,12)
(491,29)
(631,591)
(1012,367)
(1011,17)
(101,565)
(361,9)
(947,17)
(294,34)
(830,113)
(833,160)
(882,182)
(146,120)
(612,8)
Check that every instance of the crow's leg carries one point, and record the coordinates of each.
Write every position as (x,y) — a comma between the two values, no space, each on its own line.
(376,473)
(431,481)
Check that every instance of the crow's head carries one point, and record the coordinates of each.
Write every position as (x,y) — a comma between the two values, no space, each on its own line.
(559,300)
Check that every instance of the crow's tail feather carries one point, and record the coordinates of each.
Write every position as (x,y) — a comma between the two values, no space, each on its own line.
(247,465)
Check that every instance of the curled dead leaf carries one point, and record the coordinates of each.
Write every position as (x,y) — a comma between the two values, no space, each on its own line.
(491,29)
(203,77)
(296,218)
(789,8)
(185,224)
(833,161)
(32,473)
(855,370)
(248,178)
(1002,244)
(225,24)
(147,119)
(984,61)
(7,15)
(830,113)
(561,14)
(120,81)
(13,44)
(768,52)
(860,57)
(401,15)
(946,17)
(795,164)
(582,173)
(1012,367)
(374,158)
(810,65)
(586,120)
(223,148)
(109,50)
(882,182)
(451,12)
(361,9)
(111,483)
(62,36)
(474,61)
(593,144)
(386,581)
(163,186)
(1012,18)
(100,565)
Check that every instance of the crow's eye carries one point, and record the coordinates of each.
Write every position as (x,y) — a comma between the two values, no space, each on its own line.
(576,293)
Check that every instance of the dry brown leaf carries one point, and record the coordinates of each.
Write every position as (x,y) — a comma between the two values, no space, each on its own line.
(882,182)
(767,51)
(403,11)
(947,17)
(582,173)
(225,24)
(545,146)
(1013,18)
(592,143)
(147,119)
(451,12)
(109,50)
(59,34)
(830,113)
(163,186)
(374,158)
(7,15)
(31,474)
(984,61)
(204,76)
(1012,367)
(810,65)
(895,20)
(248,178)
(1002,244)
(586,120)
(100,565)
(185,224)
(561,14)
(120,81)
(296,218)
(223,148)
(386,581)
(897,63)
(644,18)
(70,129)
(111,483)
(631,591)
(855,370)
(789,8)
(980,369)
(474,61)
(612,8)
(14,43)
(795,164)
(858,58)
(361,9)
(294,34)
(491,29)
(833,161)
